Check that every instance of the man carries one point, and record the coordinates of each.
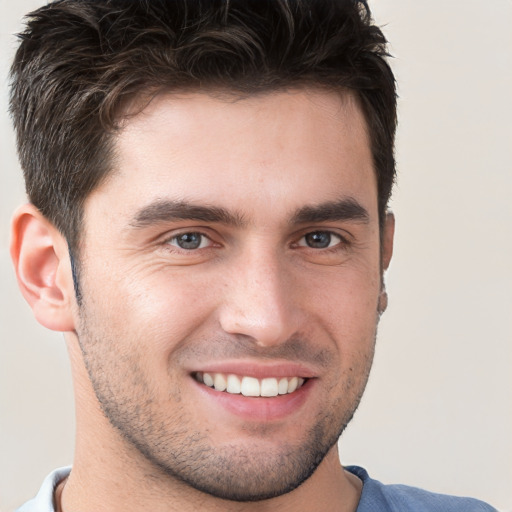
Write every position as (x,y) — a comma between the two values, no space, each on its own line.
(208,226)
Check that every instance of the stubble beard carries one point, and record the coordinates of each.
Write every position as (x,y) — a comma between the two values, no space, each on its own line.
(175,449)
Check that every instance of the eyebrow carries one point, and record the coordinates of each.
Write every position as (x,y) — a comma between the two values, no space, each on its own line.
(347,209)
(166,210)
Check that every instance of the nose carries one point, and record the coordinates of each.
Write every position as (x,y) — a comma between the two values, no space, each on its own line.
(260,302)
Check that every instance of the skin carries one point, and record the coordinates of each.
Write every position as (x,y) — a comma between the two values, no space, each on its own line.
(255,295)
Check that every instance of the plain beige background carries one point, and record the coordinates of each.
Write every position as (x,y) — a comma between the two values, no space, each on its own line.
(438,409)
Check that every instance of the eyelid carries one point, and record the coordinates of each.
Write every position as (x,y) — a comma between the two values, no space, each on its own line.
(340,239)
(172,235)
(345,238)
(201,246)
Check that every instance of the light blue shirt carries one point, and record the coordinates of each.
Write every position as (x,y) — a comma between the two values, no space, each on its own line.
(376,497)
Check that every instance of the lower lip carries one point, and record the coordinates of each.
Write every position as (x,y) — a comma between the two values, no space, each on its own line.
(262,409)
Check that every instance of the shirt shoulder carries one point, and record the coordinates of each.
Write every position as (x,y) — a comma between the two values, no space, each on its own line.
(377,497)
(43,501)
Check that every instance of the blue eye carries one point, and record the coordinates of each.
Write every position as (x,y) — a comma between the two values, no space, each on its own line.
(190,241)
(320,240)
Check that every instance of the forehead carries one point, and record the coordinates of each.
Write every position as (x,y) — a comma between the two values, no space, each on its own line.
(265,153)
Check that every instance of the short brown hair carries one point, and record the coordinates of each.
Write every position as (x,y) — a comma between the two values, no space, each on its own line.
(79,61)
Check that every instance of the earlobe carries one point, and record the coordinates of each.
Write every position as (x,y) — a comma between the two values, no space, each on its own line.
(387,238)
(41,261)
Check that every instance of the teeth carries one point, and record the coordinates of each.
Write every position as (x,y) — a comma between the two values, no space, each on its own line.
(250,386)
(208,379)
(233,385)
(282,387)
(292,384)
(269,387)
(219,382)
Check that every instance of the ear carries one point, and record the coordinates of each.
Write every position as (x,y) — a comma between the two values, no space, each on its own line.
(387,238)
(386,252)
(41,262)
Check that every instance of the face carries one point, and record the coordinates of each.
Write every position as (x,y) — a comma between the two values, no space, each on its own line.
(230,275)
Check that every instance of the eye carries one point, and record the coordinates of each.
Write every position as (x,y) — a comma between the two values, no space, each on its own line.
(190,241)
(320,240)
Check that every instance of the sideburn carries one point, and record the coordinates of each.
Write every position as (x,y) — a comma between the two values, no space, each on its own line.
(75,272)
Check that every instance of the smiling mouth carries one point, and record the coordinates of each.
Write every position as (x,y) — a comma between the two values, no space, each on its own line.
(250,386)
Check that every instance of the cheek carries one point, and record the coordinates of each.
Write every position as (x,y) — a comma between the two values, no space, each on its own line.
(157,310)
(346,300)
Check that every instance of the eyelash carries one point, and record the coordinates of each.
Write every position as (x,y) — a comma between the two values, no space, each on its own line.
(203,236)
(343,242)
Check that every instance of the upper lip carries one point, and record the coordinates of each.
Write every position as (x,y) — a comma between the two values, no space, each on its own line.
(258,369)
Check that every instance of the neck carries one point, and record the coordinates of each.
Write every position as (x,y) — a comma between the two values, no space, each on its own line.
(57,495)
